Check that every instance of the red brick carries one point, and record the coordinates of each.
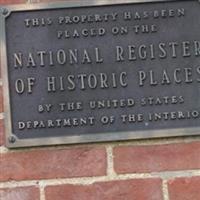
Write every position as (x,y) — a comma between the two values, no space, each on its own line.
(50,164)
(21,193)
(184,188)
(138,189)
(12,1)
(156,158)
(2,133)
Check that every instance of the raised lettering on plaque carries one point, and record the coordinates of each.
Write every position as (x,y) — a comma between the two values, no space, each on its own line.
(84,72)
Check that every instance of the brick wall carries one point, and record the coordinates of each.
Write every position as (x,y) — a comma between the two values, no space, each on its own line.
(157,169)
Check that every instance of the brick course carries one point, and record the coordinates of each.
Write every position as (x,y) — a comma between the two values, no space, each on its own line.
(21,193)
(49,164)
(147,189)
(156,158)
(184,188)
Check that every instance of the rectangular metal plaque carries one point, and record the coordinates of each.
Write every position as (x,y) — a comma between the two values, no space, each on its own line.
(100,71)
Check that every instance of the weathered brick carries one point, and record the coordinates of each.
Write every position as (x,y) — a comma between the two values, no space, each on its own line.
(184,188)
(50,164)
(138,189)
(2,133)
(12,1)
(20,193)
(156,158)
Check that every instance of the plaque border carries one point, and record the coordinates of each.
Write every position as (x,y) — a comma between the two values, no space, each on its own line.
(13,142)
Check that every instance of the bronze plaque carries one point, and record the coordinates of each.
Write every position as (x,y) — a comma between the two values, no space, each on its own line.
(100,71)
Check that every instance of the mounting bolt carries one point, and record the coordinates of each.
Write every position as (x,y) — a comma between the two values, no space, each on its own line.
(5,11)
(12,139)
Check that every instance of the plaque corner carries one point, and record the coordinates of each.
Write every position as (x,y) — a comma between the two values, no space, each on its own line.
(5,11)
(11,141)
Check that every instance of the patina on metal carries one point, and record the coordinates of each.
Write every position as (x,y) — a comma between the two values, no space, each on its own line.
(94,71)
